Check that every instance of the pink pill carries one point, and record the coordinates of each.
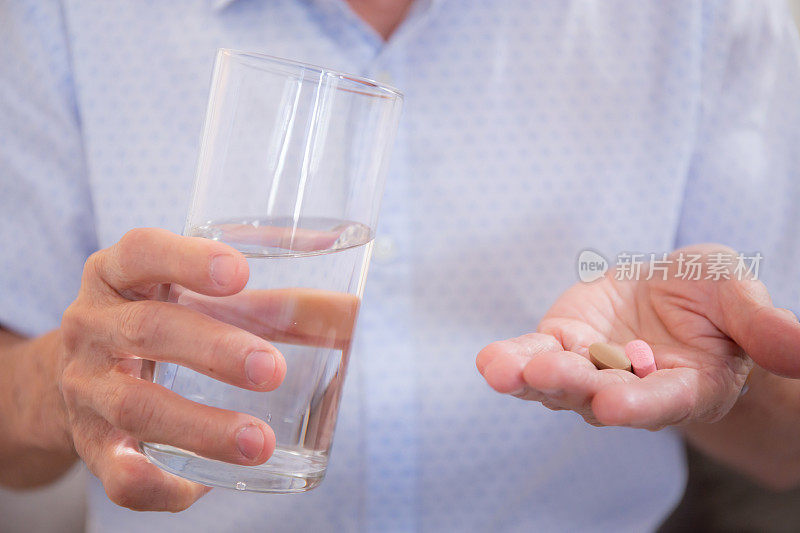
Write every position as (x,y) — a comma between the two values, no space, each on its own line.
(641,356)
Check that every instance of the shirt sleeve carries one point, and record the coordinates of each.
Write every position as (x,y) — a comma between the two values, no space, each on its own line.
(743,187)
(46,220)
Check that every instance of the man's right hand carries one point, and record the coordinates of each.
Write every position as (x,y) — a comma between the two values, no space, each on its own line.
(109,337)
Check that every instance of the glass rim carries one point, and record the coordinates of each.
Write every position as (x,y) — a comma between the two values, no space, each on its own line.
(378,89)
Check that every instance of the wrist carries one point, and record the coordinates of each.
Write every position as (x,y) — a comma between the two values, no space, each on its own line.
(30,398)
(35,443)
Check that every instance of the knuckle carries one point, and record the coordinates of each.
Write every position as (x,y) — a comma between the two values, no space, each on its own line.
(128,250)
(123,401)
(138,322)
(79,324)
(126,484)
(94,265)
(69,383)
(72,313)
(132,411)
(133,241)
(71,327)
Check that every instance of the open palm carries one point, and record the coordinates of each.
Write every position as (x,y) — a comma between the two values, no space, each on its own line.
(705,336)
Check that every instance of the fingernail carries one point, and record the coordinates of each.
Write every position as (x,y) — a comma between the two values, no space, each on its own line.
(223,268)
(250,441)
(260,368)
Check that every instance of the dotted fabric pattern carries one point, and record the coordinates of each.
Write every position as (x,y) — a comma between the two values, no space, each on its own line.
(532,130)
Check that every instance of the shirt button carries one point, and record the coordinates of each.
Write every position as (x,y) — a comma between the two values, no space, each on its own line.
(384,249)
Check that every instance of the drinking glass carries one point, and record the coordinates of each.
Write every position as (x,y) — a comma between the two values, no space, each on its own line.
(290,173)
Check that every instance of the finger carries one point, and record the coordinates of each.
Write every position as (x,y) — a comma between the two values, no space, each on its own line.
(146,257)
(769,335)
(151,413)
(574,335)
(168,332)
(308,317)
(570,379)
(501,362)
(129,479)
(665,397)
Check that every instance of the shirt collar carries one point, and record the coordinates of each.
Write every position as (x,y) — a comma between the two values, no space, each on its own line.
(420,11)
(219,5)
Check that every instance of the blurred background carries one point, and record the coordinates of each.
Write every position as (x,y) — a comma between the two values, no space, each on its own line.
(716,499)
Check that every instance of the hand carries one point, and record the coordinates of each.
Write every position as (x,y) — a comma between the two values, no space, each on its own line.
(705,334)
(116,328)
(307,317)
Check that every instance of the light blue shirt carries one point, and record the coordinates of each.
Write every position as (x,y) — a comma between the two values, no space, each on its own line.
(532,130)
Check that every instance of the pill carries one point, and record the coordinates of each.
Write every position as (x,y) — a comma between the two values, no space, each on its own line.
(641,357)
(607,356)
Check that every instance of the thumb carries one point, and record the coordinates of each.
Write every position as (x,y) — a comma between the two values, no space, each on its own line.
(770,335)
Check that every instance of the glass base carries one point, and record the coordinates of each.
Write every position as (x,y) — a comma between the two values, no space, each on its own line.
(269,477)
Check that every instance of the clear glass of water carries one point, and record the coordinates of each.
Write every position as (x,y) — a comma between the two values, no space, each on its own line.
(290,173)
